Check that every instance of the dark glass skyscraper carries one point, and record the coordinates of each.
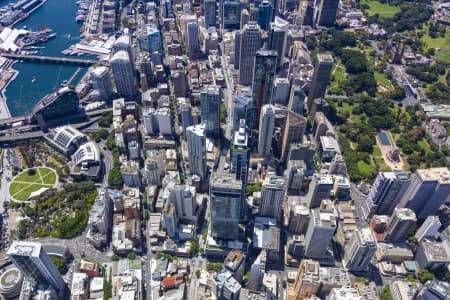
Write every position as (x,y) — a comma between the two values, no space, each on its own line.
(264,14)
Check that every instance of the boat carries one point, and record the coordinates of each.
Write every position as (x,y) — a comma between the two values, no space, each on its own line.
(33,80)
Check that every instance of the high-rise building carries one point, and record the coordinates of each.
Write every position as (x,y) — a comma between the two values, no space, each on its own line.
(307,12)
(192,43)
(263,76)
(281,90)
(250,43)
(184,198)
(266,128)
(307,283)
(264,14)
(386,193)
(186,116)
(277,37)
(429,228)
(231,13)
(299,217)
(240,153)
(321,77)
(210,8)
(360,250)
(400,224)
(434,290)
(293,132)
(210,102)
(321,228)
(36,266)
(245,17)
(272,196)
(319,189)
(428,190)
(226,197)
(122,69)
(196,140)
(344,293)
(101,81)
(237,48)
(123,43)
(326,15)
(297,99)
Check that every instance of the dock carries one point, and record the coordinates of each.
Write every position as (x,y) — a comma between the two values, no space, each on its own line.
(52,59)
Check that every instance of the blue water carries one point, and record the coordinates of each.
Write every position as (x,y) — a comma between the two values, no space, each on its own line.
(384,138)
(36,79)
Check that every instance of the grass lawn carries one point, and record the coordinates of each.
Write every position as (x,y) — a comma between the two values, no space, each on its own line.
(440,43)
(365,169)
(50,178)
(44,171)
(381,79)
(27,178)
(379,161)
(384,10)
(376,151)
(25,193)
(23,185)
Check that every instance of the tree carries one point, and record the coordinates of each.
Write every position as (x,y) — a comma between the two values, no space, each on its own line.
(194,246)
(214,267)
(131,255)
(31,171)
(115,257)
(386,293)
(424,275)
(115,178)
(198,273)
(60,263)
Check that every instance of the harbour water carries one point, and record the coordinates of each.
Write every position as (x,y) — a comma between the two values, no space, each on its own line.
(38,79)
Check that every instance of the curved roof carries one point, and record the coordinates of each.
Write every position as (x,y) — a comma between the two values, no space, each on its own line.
(66,135)
(88,152)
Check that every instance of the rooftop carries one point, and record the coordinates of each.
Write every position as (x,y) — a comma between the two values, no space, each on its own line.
(442,175)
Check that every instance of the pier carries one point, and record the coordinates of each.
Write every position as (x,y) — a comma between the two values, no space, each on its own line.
(52,59)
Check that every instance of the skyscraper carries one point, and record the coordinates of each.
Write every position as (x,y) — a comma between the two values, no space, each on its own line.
(263,76)
(272,196)
(122,69)
(327,12)
(297,99)
(250,43)
(210,102)
(192,43)
(264,14)
(240,153)
(184,198)
(101,81)
(226,196)
(123,43)
(386,193)
(321,228)
(321,77)
(360,250)
(237,48)
(231,14)
(428,190)
(196,140)
(186,116)
(319,189)
(245,17)
(210,9)
(266,127)
(36,266)
(400,224)
(429,228)
(307,12)
(293,131)
(277,38)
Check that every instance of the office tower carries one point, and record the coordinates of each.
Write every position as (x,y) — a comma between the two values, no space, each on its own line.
(170,220)
(344,293)
(245,17)
(297,100)
(250,43)
(186,116)
(237,48)
(299,218)
(242,109)
(264,14)
(210,8)
(150,121)
(231,14)
(240,153)
(226,197)
(123,43)
(192,44)
(386,193)
(196,140)
(307,12)
(210,102)
(262,86)
(277,38)
(429,228)
(257,271)
(266,127)
(295,174)
(400,224)
(180,83)
(307,283)
(101,81)
(272,196)
(321,77)
(281,90)
(184,198)
(36,266)
(428,190)
(319,189)
(122,69)
(360,250)
(326,15)
(321,228)
(154,38)
(293,132)
(434,290)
